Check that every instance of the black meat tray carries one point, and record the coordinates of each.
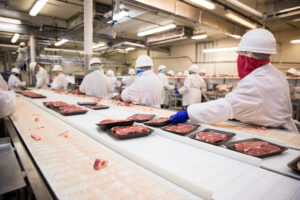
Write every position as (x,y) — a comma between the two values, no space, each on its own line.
(157,124)
(124,137)
(106,107)
(230,135)
(110,125)
(85,103)
(293,164)
(141,121)
(179,133)
(231,146)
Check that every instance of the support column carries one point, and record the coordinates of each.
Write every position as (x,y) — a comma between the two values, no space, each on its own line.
(88,33)
(32,48)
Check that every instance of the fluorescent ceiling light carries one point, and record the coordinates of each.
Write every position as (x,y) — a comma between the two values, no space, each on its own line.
(289,9)
(245,7)
(156,30)
(120,15)
(295,41)
(130,49)
(234,36)
(98,45)
(9,20)
(39,4)
(61,42)
(240,20)
(219,50)
(204,4)
(9,46)
(15,38)
(199,37)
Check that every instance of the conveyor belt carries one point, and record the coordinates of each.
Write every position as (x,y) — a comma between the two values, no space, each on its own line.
(225,177)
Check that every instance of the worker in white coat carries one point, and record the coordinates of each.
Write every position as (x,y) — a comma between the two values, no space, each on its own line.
(113,80)
(14,82)
(8,103)
(3,83)
(22,56)
(192,86)
(164,79)
(60,81)
(262,96)
(128,80)
(42,78)
(96,83)
(147,89)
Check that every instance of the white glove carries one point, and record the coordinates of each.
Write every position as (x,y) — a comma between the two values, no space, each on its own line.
(23,83)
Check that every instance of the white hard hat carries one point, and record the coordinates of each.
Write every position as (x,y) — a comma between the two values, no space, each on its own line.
(95,61)
(258,41)
(15,70)
(22,44)
(171,73)
(161,67)
(110,73)
(32,66)
(202,70)
(293,71)
(57,68)
(131,71)
(194,68)
(179,73)
(144,61)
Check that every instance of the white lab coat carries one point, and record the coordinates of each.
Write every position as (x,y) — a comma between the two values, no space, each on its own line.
(22,55)
(14,82)
(60,82)
(164,79)
(261,98)
(7,103)
(113,81)
(42,78)
(128,80)
(191,89)
(96,84)
(3,84)
(146,90)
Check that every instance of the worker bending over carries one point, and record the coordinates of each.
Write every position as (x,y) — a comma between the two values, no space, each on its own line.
(164,79)
(14,81)
(42,78)
(262,96)
(147,88)
(60,81)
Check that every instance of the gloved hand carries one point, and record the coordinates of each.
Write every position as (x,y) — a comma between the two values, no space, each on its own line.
(176,91)
(179,117)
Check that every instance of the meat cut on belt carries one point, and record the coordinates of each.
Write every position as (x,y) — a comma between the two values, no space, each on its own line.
(87,103)
(141,117)
(157,121)
(127,130)
(68,107)
(73,110)
(30,94)
(110,121)
(211,137)
(181,128)
(56,104)
(98,107)
(100,164)
(36,137)
(256,148)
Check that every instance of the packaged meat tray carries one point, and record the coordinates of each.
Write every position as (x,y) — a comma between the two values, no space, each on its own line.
(55,104)
(181,128)
(129,132)
(212,136)
(141,117)
(256,147)
(158,122)
(109,123)
(87,103)
(72,111)
(31,94)
(98,107)
(295,165)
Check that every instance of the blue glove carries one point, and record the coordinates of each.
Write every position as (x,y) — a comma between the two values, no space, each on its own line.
(179,117)
(176,91)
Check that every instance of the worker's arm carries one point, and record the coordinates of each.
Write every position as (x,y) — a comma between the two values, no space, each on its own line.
(132,93)
(7,103)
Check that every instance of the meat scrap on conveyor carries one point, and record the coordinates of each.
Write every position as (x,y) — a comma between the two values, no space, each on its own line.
(100,164)
(127,130)
(211,137)
(256,148)
(181,128)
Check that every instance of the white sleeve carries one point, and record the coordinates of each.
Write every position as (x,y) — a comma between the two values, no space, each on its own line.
(7,103)
(132,93)
(82,87)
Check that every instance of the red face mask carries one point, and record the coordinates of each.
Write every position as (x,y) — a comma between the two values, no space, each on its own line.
(247,64)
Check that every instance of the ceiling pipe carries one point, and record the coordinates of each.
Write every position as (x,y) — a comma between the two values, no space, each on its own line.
(245,7)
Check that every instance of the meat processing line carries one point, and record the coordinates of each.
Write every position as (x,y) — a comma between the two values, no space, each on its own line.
(162,165)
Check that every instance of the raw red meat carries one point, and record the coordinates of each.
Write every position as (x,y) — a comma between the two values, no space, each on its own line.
(110,121)
(141,117)
(36,119)
(36,137)
(157,121)
(181,128)
(68,107)
(211,137)
(86,103)
(30,94)
(127,130)
(256,148)
(100,164)
(73,110)
(97,107)
(56,104)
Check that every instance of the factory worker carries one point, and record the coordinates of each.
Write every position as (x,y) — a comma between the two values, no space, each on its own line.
(171,73)
(262,96)
(8,103)
(42,78)
(3,83)
(14,82)
(60,81)
(113,80)
(128,80)
(96,83)
(164,79)
(22,56)
(192,86)
(147,89)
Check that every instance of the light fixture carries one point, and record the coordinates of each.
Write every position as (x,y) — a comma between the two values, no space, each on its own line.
(130,49)
(204,4)
(233,36)
(156,30)
(245,7)
(199,37)
(15,38)
(120,15)
(295,41)
(240,20)
(219,50)
(39,4)
(102,44)
(61,42)
(9,46)
(9,20)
